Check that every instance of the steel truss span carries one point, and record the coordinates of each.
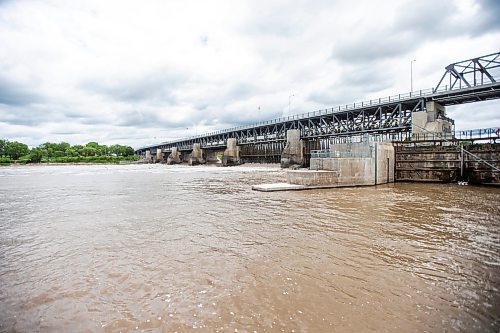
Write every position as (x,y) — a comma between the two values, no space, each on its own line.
(471,73)
(385,118)
(470,81)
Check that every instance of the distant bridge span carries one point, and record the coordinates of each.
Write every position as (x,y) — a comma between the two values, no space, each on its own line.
(466,81)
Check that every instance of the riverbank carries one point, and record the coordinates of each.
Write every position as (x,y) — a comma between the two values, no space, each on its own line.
(90,160)
(184,165)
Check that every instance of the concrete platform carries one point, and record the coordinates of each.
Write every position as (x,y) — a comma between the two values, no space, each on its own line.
(292,187)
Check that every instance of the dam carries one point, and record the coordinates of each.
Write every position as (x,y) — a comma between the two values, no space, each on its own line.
(417,119)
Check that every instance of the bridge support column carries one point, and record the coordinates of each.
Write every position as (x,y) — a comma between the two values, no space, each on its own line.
(174,157)
(232,153)
(293,154)
(159,156)
(148,157)
(431,123)
(197,155)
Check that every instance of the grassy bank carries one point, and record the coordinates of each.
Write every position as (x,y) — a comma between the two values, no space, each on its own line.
(5,161)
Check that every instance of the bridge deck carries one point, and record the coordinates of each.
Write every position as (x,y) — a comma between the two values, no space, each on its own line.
(469,81)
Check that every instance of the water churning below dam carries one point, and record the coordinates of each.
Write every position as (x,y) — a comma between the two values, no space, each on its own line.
(155,248)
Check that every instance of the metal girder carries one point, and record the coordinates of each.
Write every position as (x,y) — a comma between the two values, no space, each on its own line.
(471,73)
(379,119)
(469,81)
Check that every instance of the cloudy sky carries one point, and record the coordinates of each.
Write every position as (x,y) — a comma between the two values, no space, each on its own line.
(142,72)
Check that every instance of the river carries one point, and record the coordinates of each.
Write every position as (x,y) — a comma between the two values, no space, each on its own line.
(155,248)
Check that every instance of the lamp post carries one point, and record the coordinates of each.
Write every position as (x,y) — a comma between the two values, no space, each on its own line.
(411,75)
(289,102)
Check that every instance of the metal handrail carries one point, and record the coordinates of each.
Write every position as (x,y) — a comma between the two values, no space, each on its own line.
(463,150)
(340,154)
(329,111)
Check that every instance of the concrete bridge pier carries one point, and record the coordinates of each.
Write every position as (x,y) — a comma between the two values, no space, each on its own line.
(197,155)
(293,154)
(232,153)
(174,157)
(159,156)
(148,157)
(431,122)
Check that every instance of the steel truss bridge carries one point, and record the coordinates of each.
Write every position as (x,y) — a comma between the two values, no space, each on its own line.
(466,81)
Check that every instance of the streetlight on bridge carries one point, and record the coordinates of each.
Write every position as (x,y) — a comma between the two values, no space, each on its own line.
(289,102)
(411,74)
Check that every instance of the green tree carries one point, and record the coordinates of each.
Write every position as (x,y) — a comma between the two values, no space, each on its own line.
(16,149)
(3,144)
(91,149)
(36,155)
(103,150)
(128,151)
(121,150)
(92,144)
(88,151)
(63,152)
(63,146)
(72,152)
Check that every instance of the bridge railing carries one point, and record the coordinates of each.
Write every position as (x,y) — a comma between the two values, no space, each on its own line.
(472,135)
(329,111)
(477,134)
(322,112)
(325,153)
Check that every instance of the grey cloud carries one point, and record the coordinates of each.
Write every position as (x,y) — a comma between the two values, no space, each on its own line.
(370,78)
(69,114)
(283,18)
(204,40)
(158,86)
(241,91)
(39,114)
(66,132)
(426,19)
(234,116)
(147,119)
(268,25)
(489,20)
(26,116)
(354,83)
(5,2)
(333,97)
(225,96)
(14,94)
(417,22)
(372,47)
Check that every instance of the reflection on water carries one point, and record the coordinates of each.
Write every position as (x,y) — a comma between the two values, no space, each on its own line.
(157,248)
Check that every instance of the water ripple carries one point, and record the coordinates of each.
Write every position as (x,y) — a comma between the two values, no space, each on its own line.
(161,248)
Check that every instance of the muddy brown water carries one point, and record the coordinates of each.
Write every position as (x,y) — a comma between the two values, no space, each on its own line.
(151,248)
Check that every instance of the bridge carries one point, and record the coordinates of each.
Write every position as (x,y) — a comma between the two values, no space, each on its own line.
(396,118)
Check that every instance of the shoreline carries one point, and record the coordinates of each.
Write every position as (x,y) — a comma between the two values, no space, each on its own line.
(263,165)
(60,164)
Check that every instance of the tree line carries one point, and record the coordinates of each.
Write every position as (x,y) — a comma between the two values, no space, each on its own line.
(63,152)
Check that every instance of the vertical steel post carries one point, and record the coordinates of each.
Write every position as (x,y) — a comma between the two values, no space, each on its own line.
(462,162)
(411,75)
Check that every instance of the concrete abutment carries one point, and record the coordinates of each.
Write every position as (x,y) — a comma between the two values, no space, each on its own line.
(293,154)
(353,164)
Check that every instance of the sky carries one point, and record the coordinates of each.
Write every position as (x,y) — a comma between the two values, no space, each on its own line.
(144,72)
